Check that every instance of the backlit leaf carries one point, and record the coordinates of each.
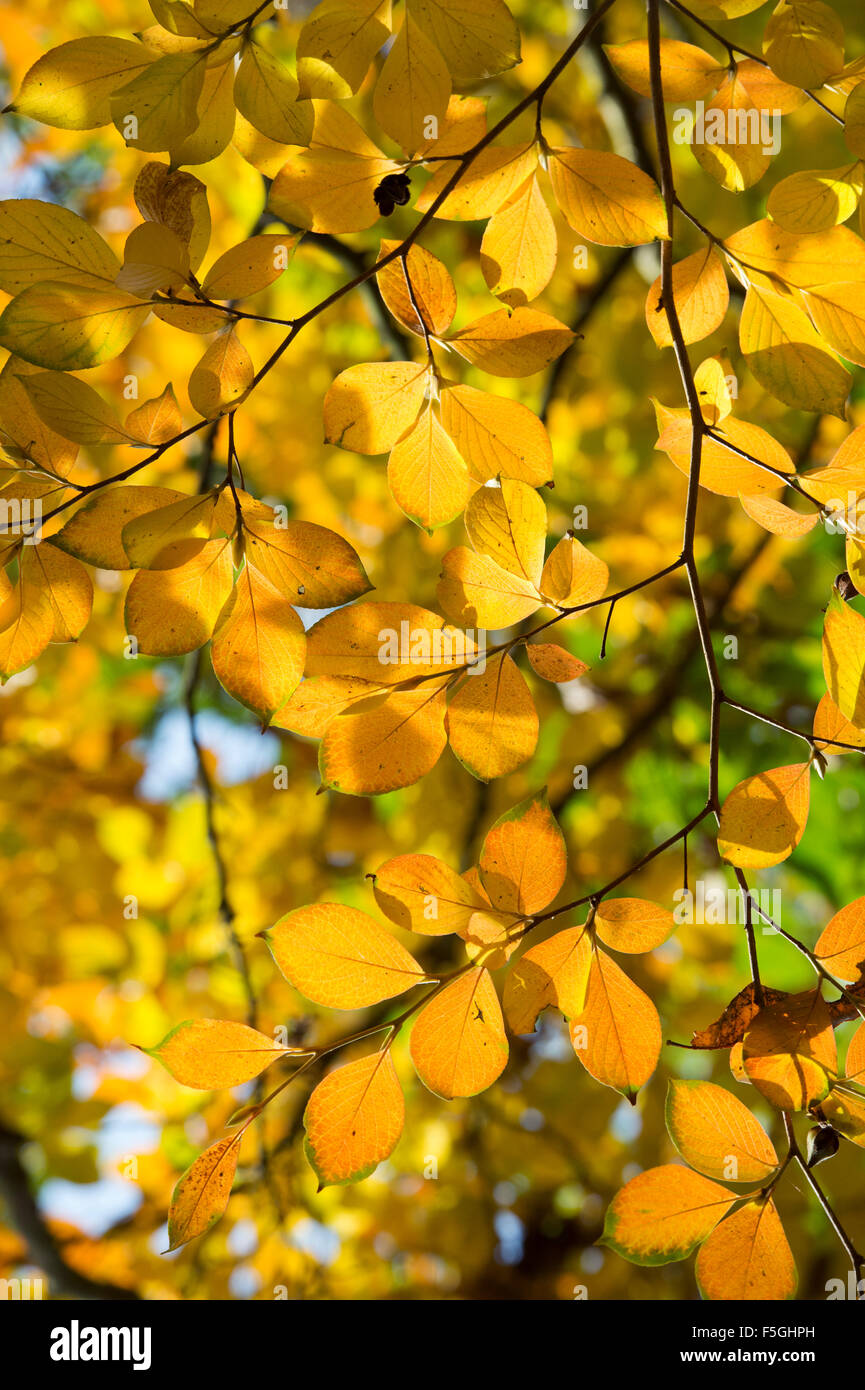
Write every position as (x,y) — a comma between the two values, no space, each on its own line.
(663,1214)
(717,1134)
(340,957)
(764,816)
(211,1054)
(458,1044)
(748,1257)
(353,1119)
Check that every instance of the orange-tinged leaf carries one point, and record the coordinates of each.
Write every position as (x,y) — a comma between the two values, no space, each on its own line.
(318,699)
(259,645)
(310,565)
(830,724)
(211,1054)
(420,893)
(426,475)
(173,611)
(700,295)
(663,1214)
(633,925)
(553,663)
(607,199)
(490,180)
(572,575)
(370,406)
(431,299)
(154,422)
(385,644)
(222,378)
(854,1067)
(764,817)
(555,973)
(523,859)
(491,720)
(519,343)
(202,1193)
(518,250)
(496,435)
(845,1111)
(340,957)
(389,741)
(789,1051)
(717,1134)
(353,1119)
(747,1257)
(617,1035)
(844,658)
(779,519)
(722,470)
(252,266)
(458,1044)
(841,945)
(477,593)
(26,625)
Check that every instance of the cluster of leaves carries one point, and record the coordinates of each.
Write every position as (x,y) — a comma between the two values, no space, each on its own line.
(386,686)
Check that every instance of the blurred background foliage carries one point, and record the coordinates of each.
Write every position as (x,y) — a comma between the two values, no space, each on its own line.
(501,1196)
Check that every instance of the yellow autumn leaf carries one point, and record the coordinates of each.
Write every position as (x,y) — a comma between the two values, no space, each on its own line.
(222,378)
(336,45)
(714,380)
(318,699)
(687,72)
(617,1034)
(830,724)
(369,407)
(159,107)
(633,924)
(476,38)
(787,355)
(259,645)
(518,250)
(553,663)
(64,583)
(841,945)
(662,1214)
(41,241)
(747,1257)
(154,259)
(148,536)
(67,327)
(815,200)
(607,199)
(733,140)
(778,518)
(310,565)
(844,658)
(389,741)
(26,624)
(770,253)
(420,893)
(492,177)
(202,1194)
(572,575)
(495,435)
(329,187)
(717,1134)
(73,408)
(804,42)
(854,123)
(71,86)
(340,957)
(508,524)
(212,1054)
(700,295)
(353,1119)
(519,343)
(475,592)
(155,421)
(94,533)
(385,644)
(413,87)
(523,858)
(764,817)
(458,1043)
(173,611)
(492,720)
(838,314)
(249,267)
(722,469)
(24,430)
(216,115)
(178,200)
(420,292)
(426,475)
(555,973)
(789,1051)
(265,92)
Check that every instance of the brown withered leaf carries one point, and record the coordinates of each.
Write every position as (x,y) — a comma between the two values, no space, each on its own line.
(734,1022)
